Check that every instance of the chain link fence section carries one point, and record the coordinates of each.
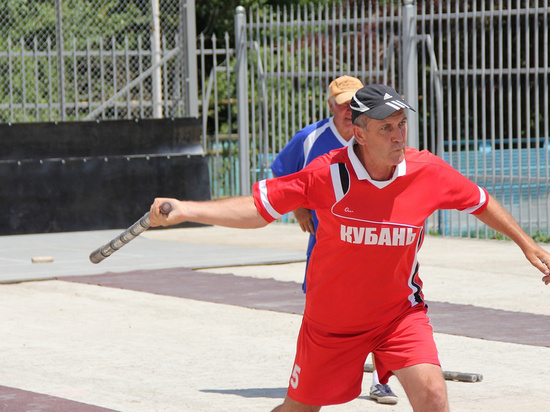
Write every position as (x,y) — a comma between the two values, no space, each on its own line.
(103,69)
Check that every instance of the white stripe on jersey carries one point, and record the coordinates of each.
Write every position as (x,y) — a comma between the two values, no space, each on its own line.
(482,200)
(265,201)
(310,140)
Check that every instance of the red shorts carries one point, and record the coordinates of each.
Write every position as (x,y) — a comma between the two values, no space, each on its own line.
(328,368)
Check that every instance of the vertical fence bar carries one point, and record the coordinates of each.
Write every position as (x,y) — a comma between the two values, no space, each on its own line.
(218,146)
(36,77)
(466,64)
(509,101)
(127,59)
(410,67)
(286,134)
(298,69)
(483,87)
(115,83)
(537,122)
(501,100)
(527,107)
(242,99)
(102,74)
(140,70)
(255,76)
(10,77)
(386,52)
(293,116)
(546,107)
(363,37)
(454,70)
(155,59)
(475,90)
(371,43)
(89,73)
(229,110)
(323,67)
(23,79)
(166,100)
(267,68)
(518,110)
(306,66)
(188,59)
(75,79)
(280,80)
(204,105)
(254,72)
(273,37)
(60,62)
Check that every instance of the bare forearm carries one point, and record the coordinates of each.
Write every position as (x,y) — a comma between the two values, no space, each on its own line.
(496,217)
(237,212)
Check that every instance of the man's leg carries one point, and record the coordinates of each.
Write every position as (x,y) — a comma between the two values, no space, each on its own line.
(425,387)
(290,405)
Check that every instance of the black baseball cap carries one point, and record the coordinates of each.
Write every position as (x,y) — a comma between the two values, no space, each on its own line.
(377,101)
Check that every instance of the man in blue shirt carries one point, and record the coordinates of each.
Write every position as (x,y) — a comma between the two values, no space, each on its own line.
(316,140)
(311,142)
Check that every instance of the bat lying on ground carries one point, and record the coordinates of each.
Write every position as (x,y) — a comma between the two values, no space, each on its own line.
(128,235)
(450,376)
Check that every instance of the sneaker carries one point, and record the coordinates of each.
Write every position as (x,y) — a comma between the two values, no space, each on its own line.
(383,394)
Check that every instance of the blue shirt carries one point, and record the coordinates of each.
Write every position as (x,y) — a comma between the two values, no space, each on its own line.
(307,144)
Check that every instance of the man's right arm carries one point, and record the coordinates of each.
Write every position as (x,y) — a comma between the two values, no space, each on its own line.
(237,212)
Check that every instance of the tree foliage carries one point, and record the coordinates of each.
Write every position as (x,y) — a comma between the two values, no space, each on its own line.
(217,16)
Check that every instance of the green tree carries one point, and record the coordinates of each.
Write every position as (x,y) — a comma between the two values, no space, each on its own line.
(217,16)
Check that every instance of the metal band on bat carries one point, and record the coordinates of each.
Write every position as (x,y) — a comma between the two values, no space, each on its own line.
(128,235)
(125,237)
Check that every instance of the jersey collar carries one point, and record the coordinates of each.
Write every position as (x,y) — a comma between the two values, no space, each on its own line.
(362,173)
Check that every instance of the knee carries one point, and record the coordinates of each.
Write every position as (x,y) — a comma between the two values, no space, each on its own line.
(433,397)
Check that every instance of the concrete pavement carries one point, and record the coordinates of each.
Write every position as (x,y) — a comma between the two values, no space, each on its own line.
(145,342)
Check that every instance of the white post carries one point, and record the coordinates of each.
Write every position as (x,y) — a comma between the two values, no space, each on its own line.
(410,70)
(189,58)
(155,59)
(242,101)
(60,59)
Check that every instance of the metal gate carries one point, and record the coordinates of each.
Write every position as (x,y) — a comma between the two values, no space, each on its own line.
(286,60)
(483,103)
(477,73)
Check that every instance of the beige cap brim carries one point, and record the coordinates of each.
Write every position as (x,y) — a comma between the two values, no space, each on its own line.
(343,97)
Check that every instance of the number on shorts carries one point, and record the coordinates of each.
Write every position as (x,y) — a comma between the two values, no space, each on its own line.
(295,378)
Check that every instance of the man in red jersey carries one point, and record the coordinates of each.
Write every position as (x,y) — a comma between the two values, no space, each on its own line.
(364,293)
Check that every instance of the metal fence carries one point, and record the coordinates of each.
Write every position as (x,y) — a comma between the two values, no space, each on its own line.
(63,60)
(484,100)
(284,60)
(481,71)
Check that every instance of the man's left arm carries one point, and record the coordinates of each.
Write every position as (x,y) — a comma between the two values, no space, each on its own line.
(496,217)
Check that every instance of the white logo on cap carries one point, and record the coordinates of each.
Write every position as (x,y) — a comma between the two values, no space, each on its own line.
(388,96)
(360,106)
(396,104)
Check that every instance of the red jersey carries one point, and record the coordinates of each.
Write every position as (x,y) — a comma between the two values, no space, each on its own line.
(364,270)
